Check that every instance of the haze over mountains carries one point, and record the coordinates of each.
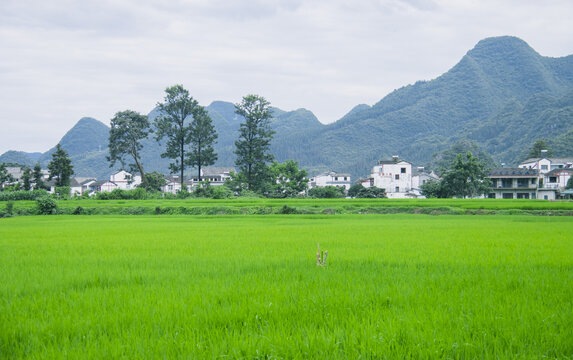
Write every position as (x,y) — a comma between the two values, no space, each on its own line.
(502,95)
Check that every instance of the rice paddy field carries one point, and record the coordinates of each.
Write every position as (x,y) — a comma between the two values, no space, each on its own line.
(248,287)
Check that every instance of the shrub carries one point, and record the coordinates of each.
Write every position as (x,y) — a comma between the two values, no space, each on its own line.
(327,192)
(22,195)
(62,192)
(288,210)
(46,205)
(10,208)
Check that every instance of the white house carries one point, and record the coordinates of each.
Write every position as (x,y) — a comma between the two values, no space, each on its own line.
(124,180)
(395,176)
(516,183)
(102,186)
(216,175)
(545,165)
(419,177)
(173,184)
(557,178)
(330,179)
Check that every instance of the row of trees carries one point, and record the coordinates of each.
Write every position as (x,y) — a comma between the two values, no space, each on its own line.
(60,168)
(187,132)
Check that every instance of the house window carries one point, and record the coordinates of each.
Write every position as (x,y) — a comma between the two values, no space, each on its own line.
(533,181)
(553,179)
(336,179)
(397,189)
(345,178)
(521,182)
(403,170)
(491,196)
(506,183)
(507,195)
(543,167)
(397,176)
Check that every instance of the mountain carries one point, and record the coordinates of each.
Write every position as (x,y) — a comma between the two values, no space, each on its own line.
(502,96)
(419,120)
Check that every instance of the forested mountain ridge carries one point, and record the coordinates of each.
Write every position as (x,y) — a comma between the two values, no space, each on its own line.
(502,95)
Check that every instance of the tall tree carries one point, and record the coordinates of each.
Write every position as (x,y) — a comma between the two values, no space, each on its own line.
(60,167)
(535,151)
(203,136)
(26,177)
(128,129)
(38,177)
(253,145)
(172,124)
(466,178)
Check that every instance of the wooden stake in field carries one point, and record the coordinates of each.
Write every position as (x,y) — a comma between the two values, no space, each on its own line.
(320,256)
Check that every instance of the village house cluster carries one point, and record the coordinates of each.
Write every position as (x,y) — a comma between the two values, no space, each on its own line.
(539,178)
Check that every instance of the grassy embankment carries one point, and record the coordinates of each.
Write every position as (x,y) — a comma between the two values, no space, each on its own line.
(395,286)
(301,206)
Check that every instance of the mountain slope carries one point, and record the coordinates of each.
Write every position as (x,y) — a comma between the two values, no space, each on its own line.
(418,120)
(502,95)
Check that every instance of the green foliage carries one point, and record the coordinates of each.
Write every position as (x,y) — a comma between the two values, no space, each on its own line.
(138,193)
(537,147)
(5,177)
(60,167)
(433,189)
(286,180)
(62,192)
(128,130)
(202,139)
(443,160)
(46,205)
(22,195)
(372,192)
(37,178)
(260,295)
(360,192)
(354,190)
(327,192)
(183,194)
(253,146)
(10,208)
(154,181)
(26,177)
(466,178)
(569,183)
(173,124)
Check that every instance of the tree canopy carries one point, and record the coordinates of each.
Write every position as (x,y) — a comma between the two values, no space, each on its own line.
(5,176)
(128,129)
(466,178)
(60,167)
(173,125)
(287,180)
(202,136)
(537,147)
(253,145)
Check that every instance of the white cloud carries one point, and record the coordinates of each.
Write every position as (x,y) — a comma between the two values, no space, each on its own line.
(63,59)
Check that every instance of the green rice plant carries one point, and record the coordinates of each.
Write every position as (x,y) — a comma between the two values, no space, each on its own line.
(396,286)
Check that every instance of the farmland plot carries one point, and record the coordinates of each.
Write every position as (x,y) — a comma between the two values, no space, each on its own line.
(394,286)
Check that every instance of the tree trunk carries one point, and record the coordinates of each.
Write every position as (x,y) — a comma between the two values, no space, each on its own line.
(141,172)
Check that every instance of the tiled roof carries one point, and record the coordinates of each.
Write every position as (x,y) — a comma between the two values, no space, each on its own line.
(513,172)
(555,171)
(216,170)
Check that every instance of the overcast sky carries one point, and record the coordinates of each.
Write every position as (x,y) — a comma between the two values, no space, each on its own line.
(61,60)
